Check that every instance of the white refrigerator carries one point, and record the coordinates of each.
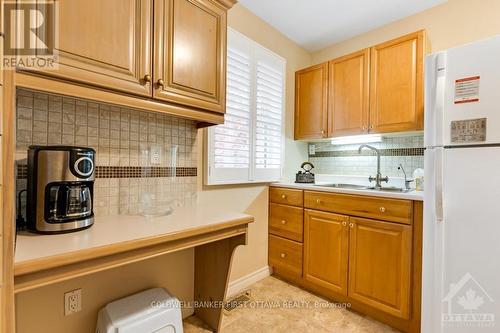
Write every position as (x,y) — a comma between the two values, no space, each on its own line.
(461,234)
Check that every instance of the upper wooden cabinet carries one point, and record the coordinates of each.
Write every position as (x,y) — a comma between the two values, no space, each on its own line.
(376,90)
(190,53)
(348,94)
(311,98)
(380,265)
(396,85)
(326,238)
(169,53)
(105,43)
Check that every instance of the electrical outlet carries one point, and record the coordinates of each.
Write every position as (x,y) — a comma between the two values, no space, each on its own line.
(72,302)
(312,149)
(155,153)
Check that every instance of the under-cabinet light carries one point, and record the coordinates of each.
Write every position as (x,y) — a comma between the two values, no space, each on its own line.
(367,138)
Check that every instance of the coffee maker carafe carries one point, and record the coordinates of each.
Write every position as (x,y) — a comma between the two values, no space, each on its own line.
(60,188)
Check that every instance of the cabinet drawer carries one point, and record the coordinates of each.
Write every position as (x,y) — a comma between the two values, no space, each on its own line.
(285,255)
(394,210)
(286,221)
(286,196)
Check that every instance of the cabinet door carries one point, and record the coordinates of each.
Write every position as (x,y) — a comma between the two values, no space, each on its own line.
(396,84)
(190,53)
(380,265)
(105,43)
(326,237)
(348,94)
(311,95)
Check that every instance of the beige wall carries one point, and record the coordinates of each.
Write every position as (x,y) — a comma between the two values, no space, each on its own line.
(42,309)
(253,199)
(453,23)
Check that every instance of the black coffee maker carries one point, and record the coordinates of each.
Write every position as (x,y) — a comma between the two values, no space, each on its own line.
(60,188)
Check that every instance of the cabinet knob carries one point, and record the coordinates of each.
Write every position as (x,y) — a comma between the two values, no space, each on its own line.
(351,225)
(283,255)
(283,196)
(283,221)
(318,201)
(344,223)
(147,78)
(382,209)
(161,83)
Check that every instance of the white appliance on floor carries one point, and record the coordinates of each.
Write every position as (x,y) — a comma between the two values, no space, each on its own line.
(150,311)
(461,250)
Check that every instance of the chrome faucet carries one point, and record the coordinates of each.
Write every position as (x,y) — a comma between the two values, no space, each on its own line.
(378,178)
(407,180)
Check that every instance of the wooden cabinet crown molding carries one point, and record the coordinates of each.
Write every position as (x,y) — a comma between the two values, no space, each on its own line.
(228,4)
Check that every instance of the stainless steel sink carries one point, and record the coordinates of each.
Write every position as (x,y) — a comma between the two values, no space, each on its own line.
(347,186)
(364,187)
(395,189)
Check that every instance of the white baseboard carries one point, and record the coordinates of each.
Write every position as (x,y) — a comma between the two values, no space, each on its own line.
(246,281)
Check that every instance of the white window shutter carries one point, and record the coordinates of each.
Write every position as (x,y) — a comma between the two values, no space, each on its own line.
(248,146)
(269,115)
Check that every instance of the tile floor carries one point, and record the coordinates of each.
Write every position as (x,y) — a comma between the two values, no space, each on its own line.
(290,320)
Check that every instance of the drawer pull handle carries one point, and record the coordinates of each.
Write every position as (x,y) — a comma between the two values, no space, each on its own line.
(382,209)
(283,255)
(283,221)
(318,201)
(283,196)
(351,225)
(344,223)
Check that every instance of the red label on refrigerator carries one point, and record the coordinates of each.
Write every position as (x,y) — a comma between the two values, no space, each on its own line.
(467,90)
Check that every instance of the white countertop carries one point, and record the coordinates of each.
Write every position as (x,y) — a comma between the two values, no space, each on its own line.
(413,195)
(110,230)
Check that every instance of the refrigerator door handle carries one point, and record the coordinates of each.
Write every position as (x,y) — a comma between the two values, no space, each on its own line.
(439,101)
(438,167)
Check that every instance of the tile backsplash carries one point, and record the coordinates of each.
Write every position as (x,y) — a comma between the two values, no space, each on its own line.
(122,138)
(345,159)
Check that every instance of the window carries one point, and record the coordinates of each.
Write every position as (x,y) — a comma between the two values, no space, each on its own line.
(248,146)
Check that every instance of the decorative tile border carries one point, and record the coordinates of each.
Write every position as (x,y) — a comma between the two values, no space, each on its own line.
(128,172)
(383,152)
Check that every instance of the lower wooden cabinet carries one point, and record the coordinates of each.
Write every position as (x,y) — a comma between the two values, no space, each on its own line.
(326,238)
(380,265)
(286,221)
(286,255)
(345,248)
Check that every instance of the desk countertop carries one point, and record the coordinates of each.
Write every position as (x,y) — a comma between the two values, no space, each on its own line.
(114,234)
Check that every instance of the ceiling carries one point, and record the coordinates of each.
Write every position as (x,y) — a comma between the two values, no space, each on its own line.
(315,24)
